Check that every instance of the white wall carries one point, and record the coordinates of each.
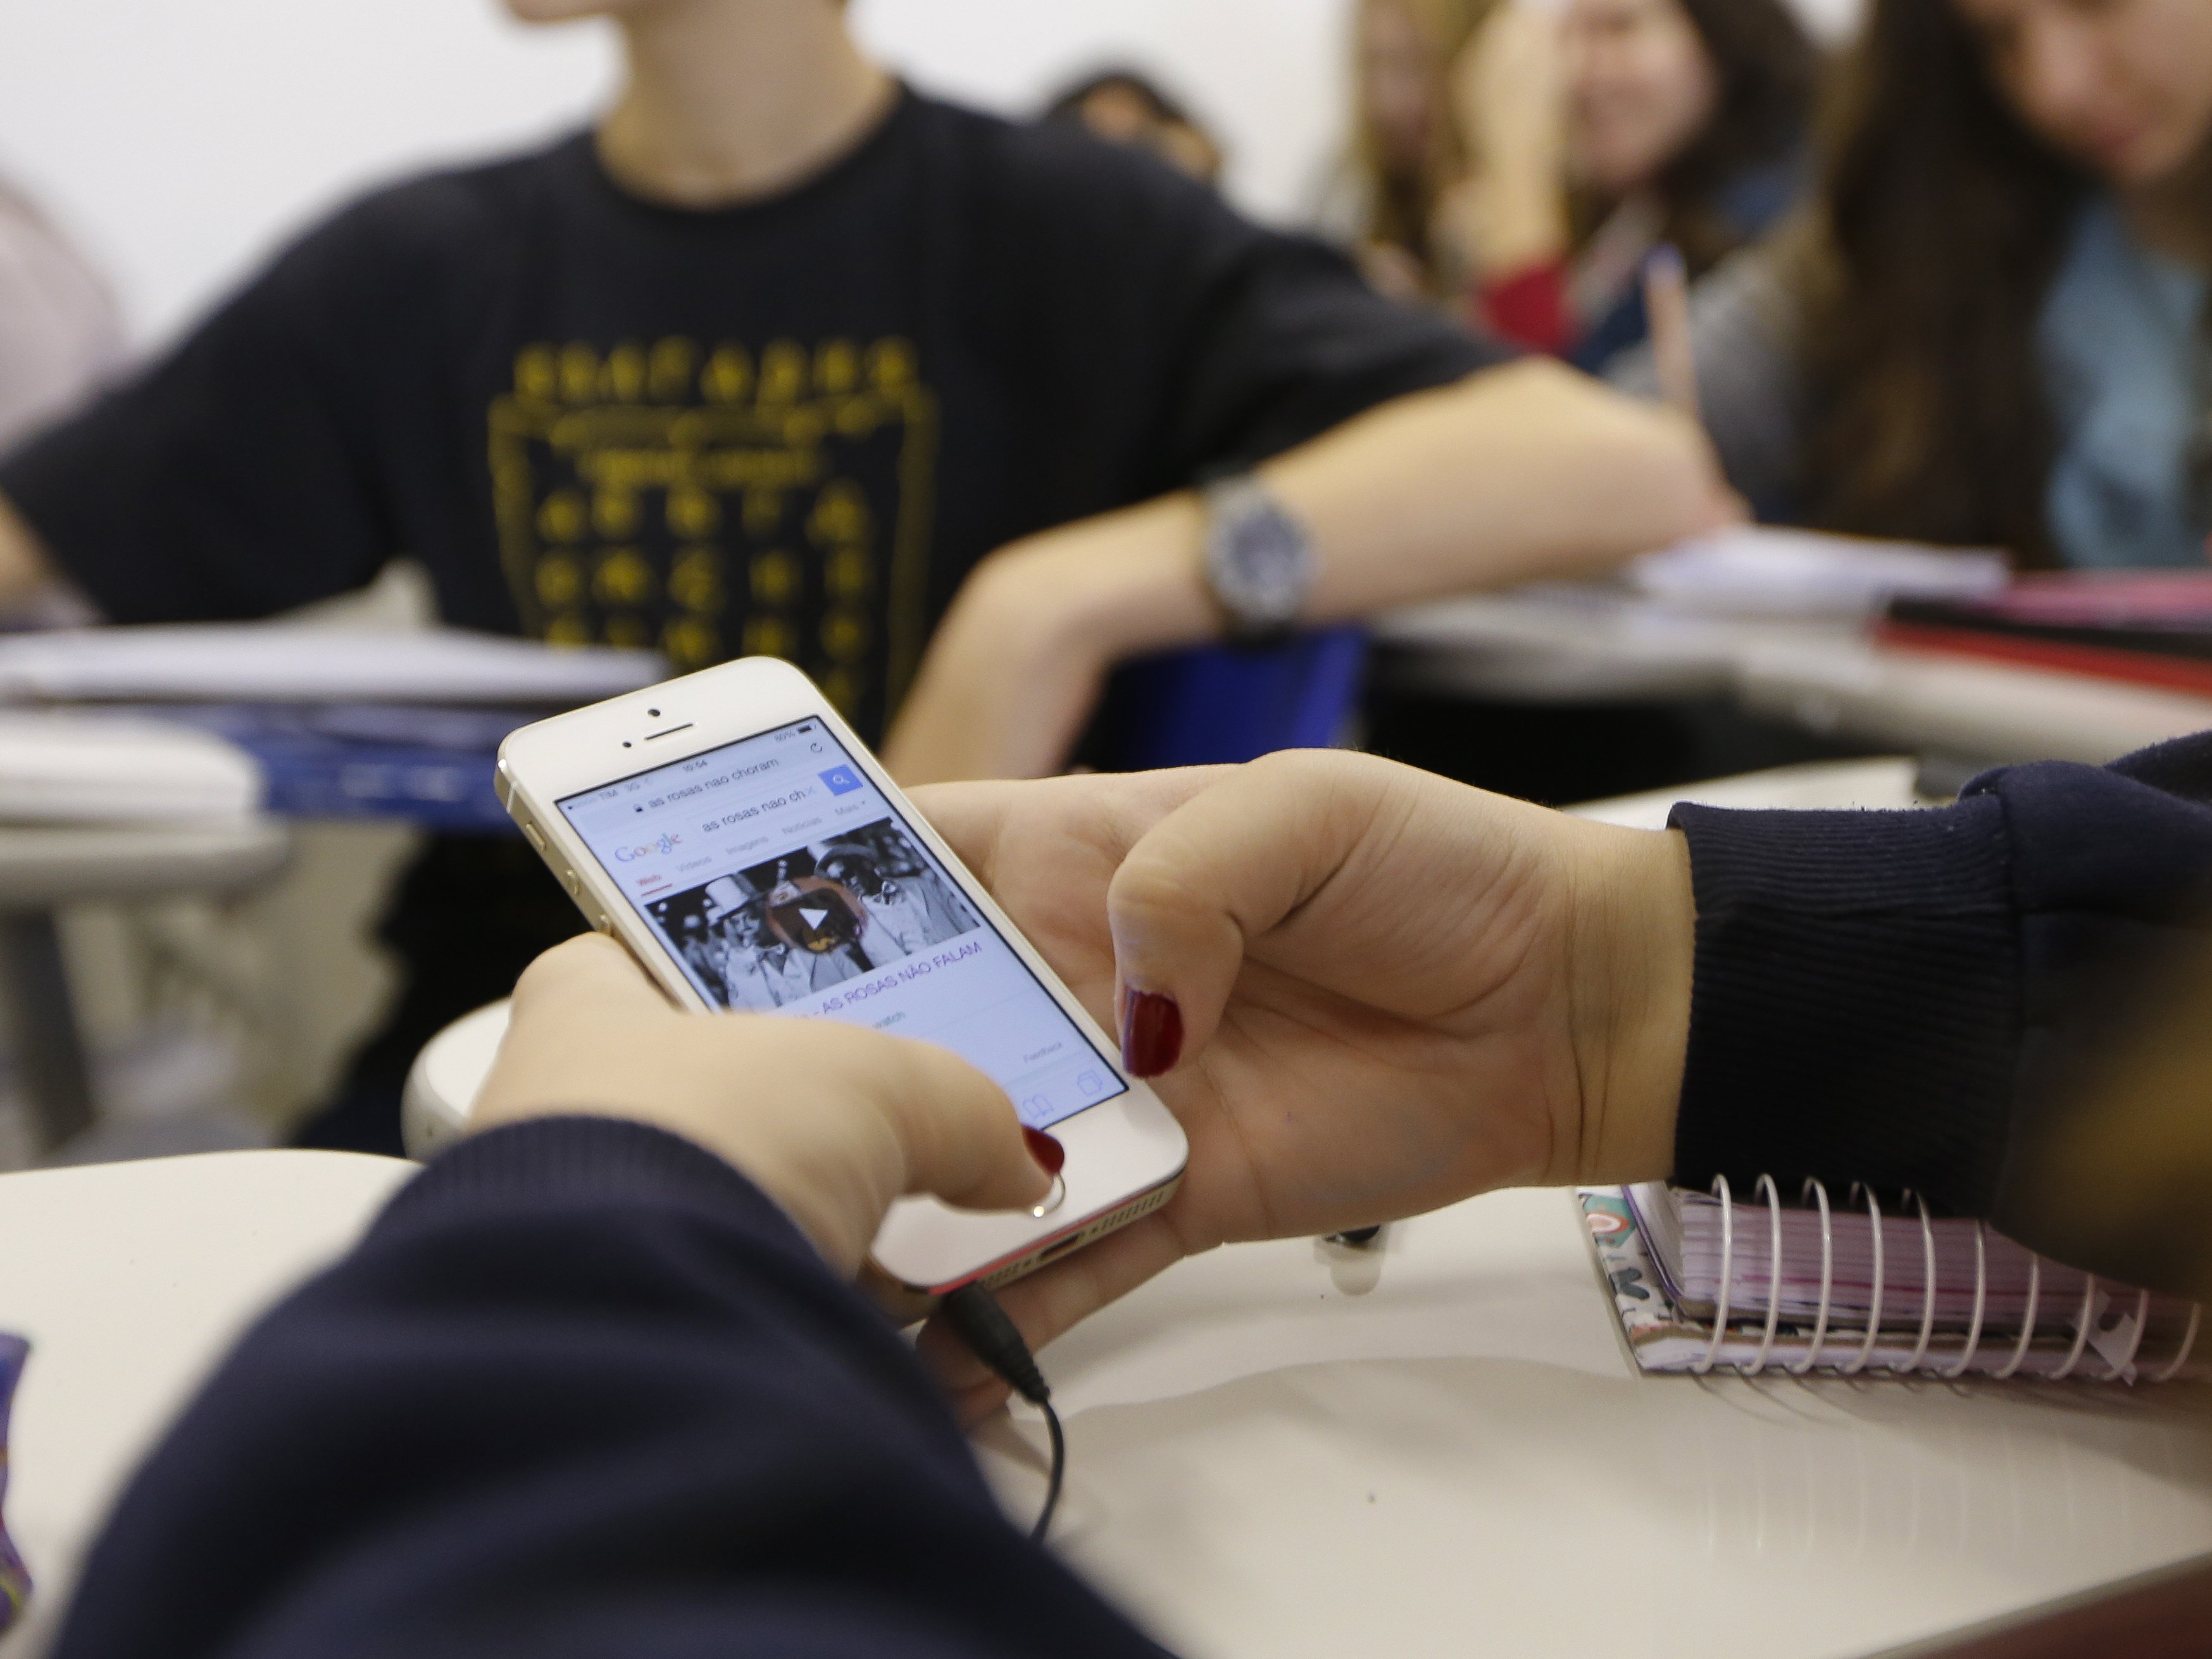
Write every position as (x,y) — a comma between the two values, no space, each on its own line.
(1264,75)
(180,139)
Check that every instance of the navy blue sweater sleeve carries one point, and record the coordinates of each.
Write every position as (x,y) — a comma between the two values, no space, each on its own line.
(1891,997)
(582,1390)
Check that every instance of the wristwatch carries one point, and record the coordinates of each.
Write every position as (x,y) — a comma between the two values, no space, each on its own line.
(1259,560)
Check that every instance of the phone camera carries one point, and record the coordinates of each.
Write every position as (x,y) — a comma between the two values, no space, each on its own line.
(652,714)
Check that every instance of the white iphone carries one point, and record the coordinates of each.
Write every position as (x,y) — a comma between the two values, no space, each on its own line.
(730,828)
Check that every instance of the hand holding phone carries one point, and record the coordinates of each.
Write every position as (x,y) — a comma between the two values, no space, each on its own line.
(832,1125)
(1396,992)
(731,831)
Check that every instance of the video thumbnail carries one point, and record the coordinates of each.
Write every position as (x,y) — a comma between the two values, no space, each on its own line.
(777,932)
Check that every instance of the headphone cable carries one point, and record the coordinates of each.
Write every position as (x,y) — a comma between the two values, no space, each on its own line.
(982,1324)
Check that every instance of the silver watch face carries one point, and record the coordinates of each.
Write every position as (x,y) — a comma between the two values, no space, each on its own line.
(1260,560)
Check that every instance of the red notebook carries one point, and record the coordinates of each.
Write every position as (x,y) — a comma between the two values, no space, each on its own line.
(2146,628)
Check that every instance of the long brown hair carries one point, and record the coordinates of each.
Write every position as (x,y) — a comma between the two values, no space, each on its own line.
(1766,73)
(1941,225)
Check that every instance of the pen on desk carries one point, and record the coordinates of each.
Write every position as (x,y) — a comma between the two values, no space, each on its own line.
(1667,307)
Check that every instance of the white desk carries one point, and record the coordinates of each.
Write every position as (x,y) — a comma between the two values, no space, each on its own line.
(1285,1449)
(1957,707)
(1561,643)
(1268,1460)
(1598,644)
(132,1280)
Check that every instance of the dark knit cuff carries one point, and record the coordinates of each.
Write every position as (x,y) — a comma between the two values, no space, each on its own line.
(1855,1014)
(581,1163)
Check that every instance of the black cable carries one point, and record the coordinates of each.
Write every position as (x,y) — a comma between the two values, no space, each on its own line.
(982,1324)
(1043,1522)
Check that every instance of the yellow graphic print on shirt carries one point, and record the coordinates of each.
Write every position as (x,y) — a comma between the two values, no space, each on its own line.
(712,502)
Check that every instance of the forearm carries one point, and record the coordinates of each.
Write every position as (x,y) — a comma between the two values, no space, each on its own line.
(1511,218)
(582,1390)
(1526,472)
(1510,101)
(1520,472)
(1517,473)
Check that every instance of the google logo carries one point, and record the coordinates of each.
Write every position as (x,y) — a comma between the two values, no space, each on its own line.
(666,844)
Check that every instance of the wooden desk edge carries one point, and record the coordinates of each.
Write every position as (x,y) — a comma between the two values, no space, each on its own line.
(2165,1614)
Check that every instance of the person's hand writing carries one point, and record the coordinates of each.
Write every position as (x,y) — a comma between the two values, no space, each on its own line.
(1392,992)
(831,1121)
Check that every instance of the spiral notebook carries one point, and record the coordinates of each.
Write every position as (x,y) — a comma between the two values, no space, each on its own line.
(1867,1286)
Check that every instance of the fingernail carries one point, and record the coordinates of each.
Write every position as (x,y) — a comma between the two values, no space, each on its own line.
(1049,1153)
(1151,1034)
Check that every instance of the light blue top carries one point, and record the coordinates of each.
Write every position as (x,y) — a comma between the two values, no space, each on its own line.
(2122,362)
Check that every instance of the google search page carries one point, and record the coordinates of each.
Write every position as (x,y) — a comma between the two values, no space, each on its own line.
(779,879)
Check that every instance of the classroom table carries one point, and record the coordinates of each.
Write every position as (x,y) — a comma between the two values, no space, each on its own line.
(1436,1446)
(1560,644)
(44,868)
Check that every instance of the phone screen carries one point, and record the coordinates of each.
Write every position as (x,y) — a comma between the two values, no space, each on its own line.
(780,880)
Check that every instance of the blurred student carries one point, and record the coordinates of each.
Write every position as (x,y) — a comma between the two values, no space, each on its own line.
(1633,125)
(1124,108)
(1992,325)
(1527,166)
(782,358)
(597,1381)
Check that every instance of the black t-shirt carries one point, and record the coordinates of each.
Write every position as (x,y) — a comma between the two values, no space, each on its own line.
(789,428)
(792,428)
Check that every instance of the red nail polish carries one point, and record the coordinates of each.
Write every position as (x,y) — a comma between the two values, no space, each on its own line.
(1049,1153)
(1151,1034)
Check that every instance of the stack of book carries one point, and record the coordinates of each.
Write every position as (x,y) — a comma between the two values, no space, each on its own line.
(338,725)
(2144,628)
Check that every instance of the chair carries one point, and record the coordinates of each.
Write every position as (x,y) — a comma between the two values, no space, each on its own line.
(101,810)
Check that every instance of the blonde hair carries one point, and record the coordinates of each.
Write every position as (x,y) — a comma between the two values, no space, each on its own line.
(1400,207)
(1449,24)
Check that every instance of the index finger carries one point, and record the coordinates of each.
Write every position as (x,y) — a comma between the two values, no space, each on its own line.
(1225,867)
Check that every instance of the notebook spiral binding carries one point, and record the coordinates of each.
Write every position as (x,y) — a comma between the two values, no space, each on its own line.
(1955,1369)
